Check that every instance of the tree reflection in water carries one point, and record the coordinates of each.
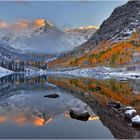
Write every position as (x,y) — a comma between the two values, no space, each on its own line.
(94,92)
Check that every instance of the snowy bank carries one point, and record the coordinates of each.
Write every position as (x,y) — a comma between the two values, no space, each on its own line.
(99,72)
(4,72)
(126,74)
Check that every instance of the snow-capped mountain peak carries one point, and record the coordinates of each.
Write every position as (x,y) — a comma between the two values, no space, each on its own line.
(42,26)
(43,22)
(83,29)
(44,34)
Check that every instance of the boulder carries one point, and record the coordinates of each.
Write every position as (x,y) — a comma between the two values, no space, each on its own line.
(136,120)
(77,114)
(128,108)
(52,96)
(130,113)
(113,104)
(118,105)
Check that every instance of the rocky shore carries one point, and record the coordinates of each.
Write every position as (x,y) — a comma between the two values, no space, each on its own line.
(122,121)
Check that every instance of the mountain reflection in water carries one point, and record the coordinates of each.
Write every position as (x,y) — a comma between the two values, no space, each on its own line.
(22,104)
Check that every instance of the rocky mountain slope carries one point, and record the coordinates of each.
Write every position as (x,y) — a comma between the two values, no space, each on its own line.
(114,44)
(121,24)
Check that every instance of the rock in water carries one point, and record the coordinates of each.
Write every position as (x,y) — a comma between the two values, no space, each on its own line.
(98,88)
(52,96)
(75,113)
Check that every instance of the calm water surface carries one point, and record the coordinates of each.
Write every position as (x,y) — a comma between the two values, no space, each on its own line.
(26,113)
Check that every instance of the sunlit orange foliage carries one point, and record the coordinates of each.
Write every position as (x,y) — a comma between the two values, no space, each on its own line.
(105,53)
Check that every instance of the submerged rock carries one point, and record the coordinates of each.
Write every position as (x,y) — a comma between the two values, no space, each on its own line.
(75,113)
(52,96)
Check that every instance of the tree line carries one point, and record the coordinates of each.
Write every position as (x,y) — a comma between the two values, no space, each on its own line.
(22,66)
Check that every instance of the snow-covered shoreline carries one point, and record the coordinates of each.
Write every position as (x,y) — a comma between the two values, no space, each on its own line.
(99,72)
(4,72)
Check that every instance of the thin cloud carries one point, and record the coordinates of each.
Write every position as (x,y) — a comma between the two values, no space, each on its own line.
(22,2)
(84,2)
(3,25)
(19,25)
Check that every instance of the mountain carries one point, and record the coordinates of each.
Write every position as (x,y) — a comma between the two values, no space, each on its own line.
(37,43)
(121,24)
(43,27)
(115,44)
(17,60)
(41,36)
(79,35)
(27,38)
(87,30)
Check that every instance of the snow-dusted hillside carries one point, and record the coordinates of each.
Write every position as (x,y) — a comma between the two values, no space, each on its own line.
(4,72)
(78,36)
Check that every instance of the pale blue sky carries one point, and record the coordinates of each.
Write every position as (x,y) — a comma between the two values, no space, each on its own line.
(61,13)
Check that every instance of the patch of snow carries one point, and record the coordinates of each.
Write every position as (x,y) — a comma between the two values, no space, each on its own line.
(129,107)
(136,119)
(85,72)
(4,72)
(130,112)
(126,74)
(50,84)
(99,73)
(51,59)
